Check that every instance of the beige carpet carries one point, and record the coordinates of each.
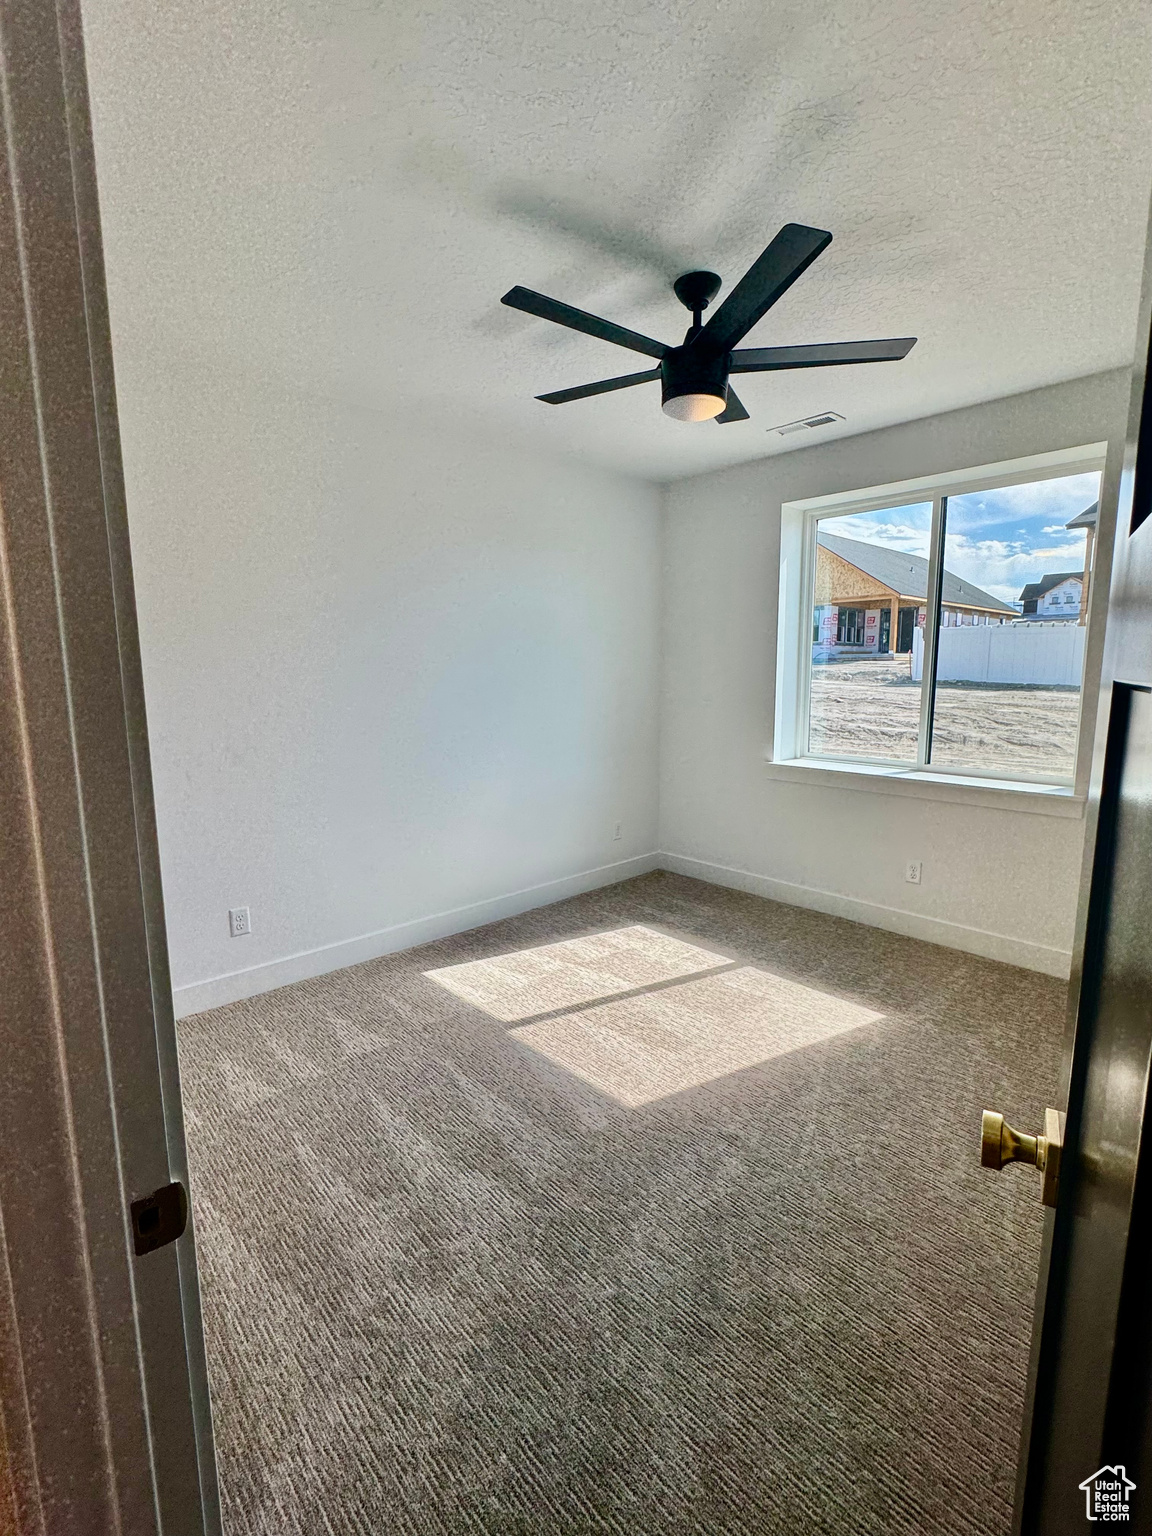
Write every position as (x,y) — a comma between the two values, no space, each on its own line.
(654,1212)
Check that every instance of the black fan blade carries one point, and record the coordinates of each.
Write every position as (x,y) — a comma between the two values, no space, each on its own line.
(582,391)
(825,355)
(734,410)
(770,276)
(577,320)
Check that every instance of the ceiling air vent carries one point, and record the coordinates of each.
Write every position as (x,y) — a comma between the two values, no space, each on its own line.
(824,419)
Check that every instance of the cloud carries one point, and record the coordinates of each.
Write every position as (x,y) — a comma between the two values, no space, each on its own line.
(1063,496)
(910,537)
(1005,594)
(993,563)
(999,565)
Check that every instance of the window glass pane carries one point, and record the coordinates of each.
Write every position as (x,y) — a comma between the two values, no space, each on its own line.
(870,584)
(1010,657)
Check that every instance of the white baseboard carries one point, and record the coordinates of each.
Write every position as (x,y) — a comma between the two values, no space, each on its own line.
(218,991)
(936,930)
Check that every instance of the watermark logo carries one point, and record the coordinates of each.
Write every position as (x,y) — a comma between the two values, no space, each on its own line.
(1107,1494)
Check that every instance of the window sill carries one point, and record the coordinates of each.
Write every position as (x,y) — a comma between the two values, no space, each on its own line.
(922,784)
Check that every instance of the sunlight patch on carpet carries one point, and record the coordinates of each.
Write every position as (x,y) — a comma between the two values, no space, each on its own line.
(640,1049)
(529,982)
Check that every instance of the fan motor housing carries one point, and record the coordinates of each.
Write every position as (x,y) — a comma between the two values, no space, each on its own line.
(685,371)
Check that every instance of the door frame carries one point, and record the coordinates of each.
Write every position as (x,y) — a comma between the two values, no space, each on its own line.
(1089,1394)
(105,1423)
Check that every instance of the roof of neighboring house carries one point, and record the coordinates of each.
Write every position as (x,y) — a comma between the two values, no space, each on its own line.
(908,574)
(1085,519)
(1046,583)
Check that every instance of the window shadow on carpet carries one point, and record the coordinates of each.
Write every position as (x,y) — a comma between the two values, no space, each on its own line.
(639,1015)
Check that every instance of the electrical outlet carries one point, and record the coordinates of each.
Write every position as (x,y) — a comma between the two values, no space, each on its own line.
(239,922)
(616,832)
(913,870)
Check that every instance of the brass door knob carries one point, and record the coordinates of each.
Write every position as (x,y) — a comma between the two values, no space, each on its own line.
(1000,1145)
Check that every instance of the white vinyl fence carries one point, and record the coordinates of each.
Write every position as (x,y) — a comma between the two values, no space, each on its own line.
(1042,654)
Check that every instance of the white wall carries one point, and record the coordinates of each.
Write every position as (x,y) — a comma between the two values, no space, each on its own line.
(997,881)
(403,679)
(396,673)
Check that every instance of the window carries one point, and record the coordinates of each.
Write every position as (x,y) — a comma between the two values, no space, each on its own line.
(862,700)
(944,628)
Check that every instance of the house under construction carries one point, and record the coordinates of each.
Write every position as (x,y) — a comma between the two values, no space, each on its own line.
(871,599)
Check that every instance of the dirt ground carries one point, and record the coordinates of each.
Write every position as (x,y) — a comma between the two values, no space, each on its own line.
(871,708)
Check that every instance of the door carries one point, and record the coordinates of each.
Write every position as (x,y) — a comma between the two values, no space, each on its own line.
(905,624)
(1086,1452)
(104,1422)
(850,626)
(885,630)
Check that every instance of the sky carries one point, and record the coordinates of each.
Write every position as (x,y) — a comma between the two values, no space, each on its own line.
(997,539)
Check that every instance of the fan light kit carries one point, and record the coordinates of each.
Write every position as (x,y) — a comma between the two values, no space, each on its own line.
(694,376)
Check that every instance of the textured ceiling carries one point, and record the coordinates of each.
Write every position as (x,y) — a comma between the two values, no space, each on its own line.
(337,194)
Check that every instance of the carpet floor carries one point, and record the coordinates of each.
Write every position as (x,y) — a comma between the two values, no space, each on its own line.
(655,1212)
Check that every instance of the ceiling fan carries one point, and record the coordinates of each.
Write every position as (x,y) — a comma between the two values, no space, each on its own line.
(694,376)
